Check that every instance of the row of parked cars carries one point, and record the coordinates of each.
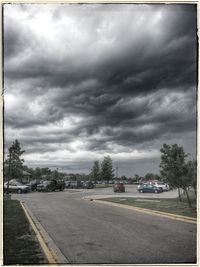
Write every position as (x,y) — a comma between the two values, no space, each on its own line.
(79,184)
(45,186)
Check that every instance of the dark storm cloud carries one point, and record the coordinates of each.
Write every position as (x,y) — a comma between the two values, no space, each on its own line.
(15,39)
(126,73)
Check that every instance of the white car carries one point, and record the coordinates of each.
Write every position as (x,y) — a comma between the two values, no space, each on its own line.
(16,187)
(165,187)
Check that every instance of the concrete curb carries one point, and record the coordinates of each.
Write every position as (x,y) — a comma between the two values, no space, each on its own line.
(148,211)
(51,251)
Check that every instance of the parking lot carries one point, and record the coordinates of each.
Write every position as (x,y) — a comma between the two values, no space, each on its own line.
(130,191)
(87,232)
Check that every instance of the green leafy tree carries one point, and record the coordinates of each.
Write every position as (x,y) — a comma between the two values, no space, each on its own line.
(174,169)
(157,177)
(192,174)
(107,172)
(14,162)
(149,176)
(95,172)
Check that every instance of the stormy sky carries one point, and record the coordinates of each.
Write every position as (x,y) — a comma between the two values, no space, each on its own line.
(83,81)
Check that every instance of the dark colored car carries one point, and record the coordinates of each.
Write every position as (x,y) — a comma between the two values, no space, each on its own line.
(33,185)
(67,184)
(52,185)
(15,187)
(119,187)
(88,185)
(148,188)
(75,184)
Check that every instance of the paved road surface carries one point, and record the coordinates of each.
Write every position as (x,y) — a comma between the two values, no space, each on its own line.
(89,232)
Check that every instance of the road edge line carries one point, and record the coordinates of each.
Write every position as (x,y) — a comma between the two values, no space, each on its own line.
(51,251)
(149,211)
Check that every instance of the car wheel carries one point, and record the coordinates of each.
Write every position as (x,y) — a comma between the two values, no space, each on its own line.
(156,191)
(19,191)
(141,191)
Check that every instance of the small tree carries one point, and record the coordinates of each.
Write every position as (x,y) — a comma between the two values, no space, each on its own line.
(173,168)
(95,172)
(106,169)
(14,160)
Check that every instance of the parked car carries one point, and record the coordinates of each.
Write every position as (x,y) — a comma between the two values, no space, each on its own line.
(75,184)
(118,187)
(148,188)
(15,187)
(88,185)
(67,184)
(51,185)
(140,184)
(33,185)
(163,186)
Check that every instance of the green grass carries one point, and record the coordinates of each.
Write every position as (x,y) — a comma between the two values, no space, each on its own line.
(173,206)
(99,186)
(20,243)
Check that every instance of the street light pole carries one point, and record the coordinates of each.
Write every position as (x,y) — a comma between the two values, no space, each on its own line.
(117,171)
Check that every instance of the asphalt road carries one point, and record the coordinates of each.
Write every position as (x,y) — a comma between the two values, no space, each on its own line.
(87,232)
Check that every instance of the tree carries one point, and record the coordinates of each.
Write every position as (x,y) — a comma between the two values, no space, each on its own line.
(157,177)
(45,171)
(149,176)
(95,172)
(14,160)
(106,169)
(123,177)
(192,174)
(136,177)
(37,173)
(174,169)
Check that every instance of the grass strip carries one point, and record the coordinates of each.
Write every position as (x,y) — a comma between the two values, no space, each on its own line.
(101,186)
(173,206)
(20,243)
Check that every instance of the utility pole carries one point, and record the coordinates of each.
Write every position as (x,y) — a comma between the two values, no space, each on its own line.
(117,171)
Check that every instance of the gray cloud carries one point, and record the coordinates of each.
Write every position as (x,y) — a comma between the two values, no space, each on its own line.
(105,78)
